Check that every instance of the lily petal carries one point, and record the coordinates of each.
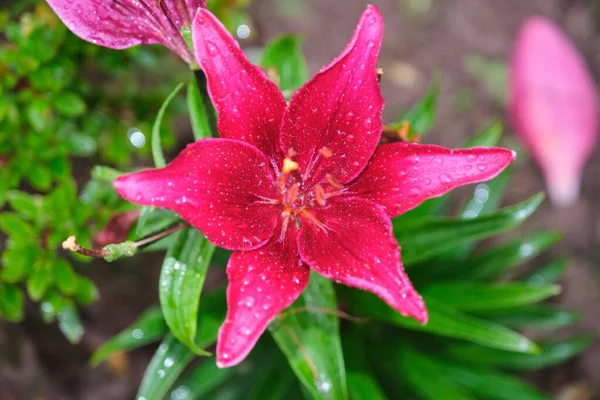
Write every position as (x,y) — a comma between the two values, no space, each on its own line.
(249,105)
(119,24)
(553,105)
(403,175)
(221,187)
(339,110)
(261,284)
(352,243)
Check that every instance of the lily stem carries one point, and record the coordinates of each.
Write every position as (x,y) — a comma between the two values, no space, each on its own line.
(159,235)
(72,245)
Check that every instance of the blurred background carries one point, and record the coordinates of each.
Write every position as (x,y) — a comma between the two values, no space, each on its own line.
(466,42)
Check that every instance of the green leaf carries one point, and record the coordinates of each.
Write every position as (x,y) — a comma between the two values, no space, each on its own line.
(153,220)
(425,377)
(16,227)
(87,292)
(538,316)
(25,205)
(487,137)
(81,145)
(38,114)
(199,382)
(427,237)
(443,321)
(157,154)
(472,296)
(148,328)
(18,262)
(361,381)
(422,115)
(487,196)
(499,259)
(181,280)
(552,353)
(39,281)
(51,305)
(64,276)
(105,174)
(310,339)
(11,302)
(492,385)
(284,54)
(69,104)
(168,362)
(69,323)
(159,376)
(40,177)
(202,112)
(549,273)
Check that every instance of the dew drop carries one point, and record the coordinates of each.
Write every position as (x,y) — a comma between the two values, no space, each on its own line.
(481,167)
(212,49)
(444,178)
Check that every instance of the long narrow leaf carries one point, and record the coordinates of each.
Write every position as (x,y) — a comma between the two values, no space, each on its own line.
(169,361)
(501,258)
(429,237)
(472,296)
(309,336)
(157,154)
(202,113)
(443,321)
(552,353)
(149,327)
(534,316)
(181,280)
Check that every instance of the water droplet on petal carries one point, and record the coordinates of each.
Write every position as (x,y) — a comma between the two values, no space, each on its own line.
(444,178)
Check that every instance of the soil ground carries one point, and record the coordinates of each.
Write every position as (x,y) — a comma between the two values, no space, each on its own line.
(415,46)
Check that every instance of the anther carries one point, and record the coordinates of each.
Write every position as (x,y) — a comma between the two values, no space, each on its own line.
(326,152)
(379,74)
(319,195)
(333,182)
(404,131)
(289,165)
(292,153)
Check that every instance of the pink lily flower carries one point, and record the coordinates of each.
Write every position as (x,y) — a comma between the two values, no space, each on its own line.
(301,187)
(553,106)
(119,24)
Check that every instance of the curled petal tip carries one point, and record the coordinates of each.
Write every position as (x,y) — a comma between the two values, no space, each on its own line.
(563,191)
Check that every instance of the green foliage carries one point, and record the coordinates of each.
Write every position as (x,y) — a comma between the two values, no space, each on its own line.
(470,348)
(53,111)
(291,69)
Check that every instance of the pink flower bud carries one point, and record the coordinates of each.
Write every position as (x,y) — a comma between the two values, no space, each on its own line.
(553,106)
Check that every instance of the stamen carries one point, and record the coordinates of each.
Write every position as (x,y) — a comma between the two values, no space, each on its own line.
(289,165)
(404,131)
(333,182)
(379,74)
(292,153)
(326,152)
(320,195)
(284,225)
(292,195)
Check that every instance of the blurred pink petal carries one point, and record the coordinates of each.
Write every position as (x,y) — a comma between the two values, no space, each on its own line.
(553,106)
(119,24)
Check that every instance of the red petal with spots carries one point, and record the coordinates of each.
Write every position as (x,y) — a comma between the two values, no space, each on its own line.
(261,284)
(119,24)
(402,175)
(249,105)
(219,186)
(351,242)
(340,109)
